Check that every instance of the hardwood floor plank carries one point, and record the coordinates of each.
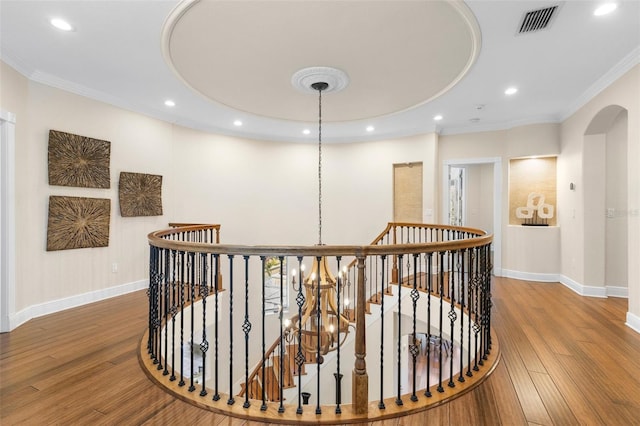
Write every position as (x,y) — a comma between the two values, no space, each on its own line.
(557,407)
(575,397)
(566,359)
(510,411)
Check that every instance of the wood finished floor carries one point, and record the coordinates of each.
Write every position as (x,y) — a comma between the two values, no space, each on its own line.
(566,360)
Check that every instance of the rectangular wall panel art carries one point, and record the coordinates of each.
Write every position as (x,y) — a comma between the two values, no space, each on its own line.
(78,222)
(140,194)
(78,161)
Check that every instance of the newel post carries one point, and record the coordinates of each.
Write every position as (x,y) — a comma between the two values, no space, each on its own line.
(360,379)
(394,269)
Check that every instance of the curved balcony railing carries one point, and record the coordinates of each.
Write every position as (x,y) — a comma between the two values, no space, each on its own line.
(413,327)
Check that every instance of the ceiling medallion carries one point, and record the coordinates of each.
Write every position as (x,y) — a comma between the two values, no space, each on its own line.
(304,79)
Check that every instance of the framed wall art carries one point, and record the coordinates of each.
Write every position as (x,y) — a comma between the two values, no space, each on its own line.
(140,194)
(78,222)
(78,161)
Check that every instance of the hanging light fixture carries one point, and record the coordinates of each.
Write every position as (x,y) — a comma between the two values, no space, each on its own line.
(322,327)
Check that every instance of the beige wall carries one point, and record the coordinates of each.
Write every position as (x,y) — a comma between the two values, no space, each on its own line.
(538,140)
(575,167)
(265,192)
(616,241)
(261,192)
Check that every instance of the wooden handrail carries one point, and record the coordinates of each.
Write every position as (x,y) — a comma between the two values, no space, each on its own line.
(156,239)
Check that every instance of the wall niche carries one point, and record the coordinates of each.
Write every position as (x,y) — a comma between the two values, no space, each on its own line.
(532,191)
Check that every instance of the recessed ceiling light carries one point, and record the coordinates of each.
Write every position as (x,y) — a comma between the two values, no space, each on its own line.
(510,91)
(169,103)
(237,123)
(61,24)
(474,120)
(437,117)
(605,9)
(370,128)
(306,131)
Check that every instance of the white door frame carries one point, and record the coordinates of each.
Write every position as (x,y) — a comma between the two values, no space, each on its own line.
(7,220)
(497,201)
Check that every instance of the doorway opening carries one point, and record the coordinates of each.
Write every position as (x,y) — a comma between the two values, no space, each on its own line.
(473,197)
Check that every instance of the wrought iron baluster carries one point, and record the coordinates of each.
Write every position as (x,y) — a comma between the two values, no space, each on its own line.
(384,280)
(429,256)
(246,328)
(263,407)
(182,271)
(461,298)
(414,349)
(452,311)
(300,358)
(282,342)
(174,311)
(230,401)
(338,375)
(204,345)
(440,325)
(399,375)
(470,287)
(165,316)
(319,358)
(192,286)
(216,263)
(476,322)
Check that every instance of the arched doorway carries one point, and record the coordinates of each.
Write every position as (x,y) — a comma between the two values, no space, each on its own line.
(605,201)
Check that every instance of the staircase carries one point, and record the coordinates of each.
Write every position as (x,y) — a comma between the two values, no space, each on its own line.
(277,368)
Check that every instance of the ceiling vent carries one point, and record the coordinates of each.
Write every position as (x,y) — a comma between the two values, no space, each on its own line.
(536,20)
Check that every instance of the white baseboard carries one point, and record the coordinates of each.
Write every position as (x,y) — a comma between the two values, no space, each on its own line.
(58,305)
(613,291)
(633,322)
(530,276)
(583,290)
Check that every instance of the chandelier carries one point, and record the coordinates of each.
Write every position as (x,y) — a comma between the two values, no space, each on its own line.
(320,327)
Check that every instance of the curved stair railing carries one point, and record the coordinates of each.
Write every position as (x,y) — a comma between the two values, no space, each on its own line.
(418,300)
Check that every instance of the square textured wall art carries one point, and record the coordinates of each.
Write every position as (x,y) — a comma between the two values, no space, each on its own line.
(140,194)
(78,161)
(78,222)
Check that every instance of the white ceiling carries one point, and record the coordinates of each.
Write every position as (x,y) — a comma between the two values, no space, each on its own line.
(399,55)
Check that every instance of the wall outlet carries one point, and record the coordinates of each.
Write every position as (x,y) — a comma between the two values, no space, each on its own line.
(611,212)
(114,267)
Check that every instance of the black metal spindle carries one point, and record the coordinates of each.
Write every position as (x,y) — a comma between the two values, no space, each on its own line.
(472,280)
(452,311)
(282,342)
(182,303)
(204,345)
(399,373)
(461,297)
(300,358)
(174,311)
(246,328)
(192,287)
(384,280)
(427,391)
(415,295)
(263,407)
(439,341)
(231,400)
(165,316)
(216,345)
(319,358)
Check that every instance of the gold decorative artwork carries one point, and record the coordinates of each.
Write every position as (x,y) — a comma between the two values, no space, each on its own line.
(532,191)
(78,222)
(78,161)
(140,194)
